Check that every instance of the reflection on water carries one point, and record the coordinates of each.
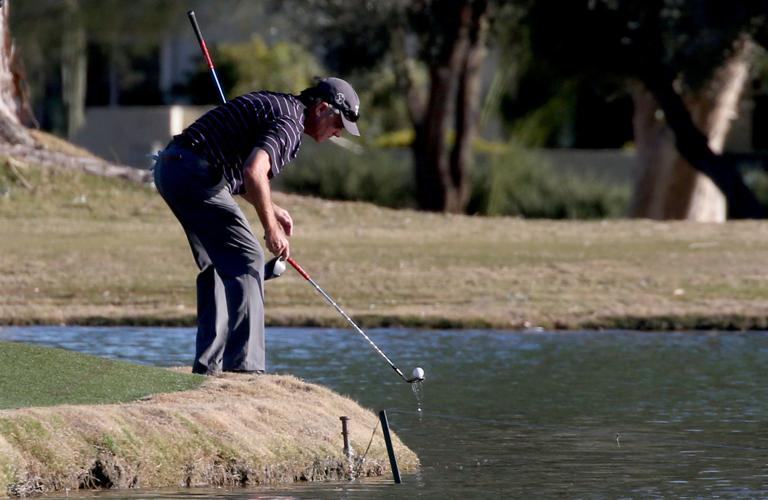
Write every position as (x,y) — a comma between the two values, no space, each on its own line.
(605,414)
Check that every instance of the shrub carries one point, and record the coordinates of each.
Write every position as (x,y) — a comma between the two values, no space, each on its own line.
(517,182)
(757,181)
(522,183)
(380,176)
(283,67)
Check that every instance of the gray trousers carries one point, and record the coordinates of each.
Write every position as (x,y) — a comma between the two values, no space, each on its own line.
(230,286)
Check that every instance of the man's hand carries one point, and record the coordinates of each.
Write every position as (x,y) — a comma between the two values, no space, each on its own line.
(277,242)
(284,218)
(275,220)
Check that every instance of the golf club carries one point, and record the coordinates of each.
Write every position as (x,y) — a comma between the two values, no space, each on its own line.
(276,266)
(204,48)
(418,373)
(270,269)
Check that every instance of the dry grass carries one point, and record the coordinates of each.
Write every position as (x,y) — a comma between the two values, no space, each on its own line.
(83,250)
(234,430)
(50,141)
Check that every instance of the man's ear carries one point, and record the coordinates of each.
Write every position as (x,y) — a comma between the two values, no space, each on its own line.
(321,108)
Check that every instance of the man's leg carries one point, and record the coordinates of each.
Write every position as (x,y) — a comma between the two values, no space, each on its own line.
(245,346)
(212,319)
(224,233)
(229,338)
(230,285)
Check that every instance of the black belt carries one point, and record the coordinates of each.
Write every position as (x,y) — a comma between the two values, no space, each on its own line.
(188,144)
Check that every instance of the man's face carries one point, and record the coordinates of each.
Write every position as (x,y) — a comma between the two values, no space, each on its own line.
(323,123)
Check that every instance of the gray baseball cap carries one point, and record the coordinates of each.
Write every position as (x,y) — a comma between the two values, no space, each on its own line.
(343,98)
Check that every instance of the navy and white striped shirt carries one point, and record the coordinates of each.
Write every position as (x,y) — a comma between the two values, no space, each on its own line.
(226,135)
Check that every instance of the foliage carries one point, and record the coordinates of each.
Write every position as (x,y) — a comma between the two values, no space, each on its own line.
(541,125)
(510,180)
(379,176)
(381,101)
(522,183)
(757,180)
(283,67)
(625,37)
(432,51)
(253,65)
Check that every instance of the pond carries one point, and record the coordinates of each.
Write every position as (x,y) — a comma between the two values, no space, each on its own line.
(516,414)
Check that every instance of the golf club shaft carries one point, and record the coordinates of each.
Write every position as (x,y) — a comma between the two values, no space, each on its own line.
(204,48)
(328,299)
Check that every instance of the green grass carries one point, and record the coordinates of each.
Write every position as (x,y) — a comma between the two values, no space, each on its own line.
(39,376)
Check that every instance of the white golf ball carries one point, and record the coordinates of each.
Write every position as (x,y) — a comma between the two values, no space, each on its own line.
(279,267)
(418,373)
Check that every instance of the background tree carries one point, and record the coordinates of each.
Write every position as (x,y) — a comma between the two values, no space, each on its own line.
(688,60)
(61,34)
(12,102)
(243,67)
(16,141)
(433,52)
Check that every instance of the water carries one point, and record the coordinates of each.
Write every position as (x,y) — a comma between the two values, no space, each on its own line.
(418,392)
(593,414)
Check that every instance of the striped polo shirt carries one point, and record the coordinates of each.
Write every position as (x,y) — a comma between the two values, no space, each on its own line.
(226,135)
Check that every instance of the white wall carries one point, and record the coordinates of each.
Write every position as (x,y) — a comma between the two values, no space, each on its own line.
(128,135)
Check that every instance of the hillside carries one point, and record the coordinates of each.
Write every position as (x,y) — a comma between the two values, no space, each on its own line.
(76,248)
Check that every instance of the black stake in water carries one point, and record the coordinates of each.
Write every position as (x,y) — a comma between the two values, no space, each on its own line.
(390,449)
(345,435)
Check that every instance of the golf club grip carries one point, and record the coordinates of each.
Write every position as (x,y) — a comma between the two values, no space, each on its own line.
(299,269)
(200,40)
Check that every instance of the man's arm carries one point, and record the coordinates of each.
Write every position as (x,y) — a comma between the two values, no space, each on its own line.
(258,193)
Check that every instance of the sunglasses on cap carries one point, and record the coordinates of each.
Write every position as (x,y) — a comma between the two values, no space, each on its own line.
(349,114)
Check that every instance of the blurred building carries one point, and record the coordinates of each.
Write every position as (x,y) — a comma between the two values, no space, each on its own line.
(135,105)
(129,135)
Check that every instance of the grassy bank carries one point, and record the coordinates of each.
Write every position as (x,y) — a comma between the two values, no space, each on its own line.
(78,249)
(55,376)
(233,430)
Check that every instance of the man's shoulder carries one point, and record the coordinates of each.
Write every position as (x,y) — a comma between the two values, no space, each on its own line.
(279,105)
(273,98)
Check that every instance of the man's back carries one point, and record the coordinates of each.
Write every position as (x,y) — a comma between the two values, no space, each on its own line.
(226,135)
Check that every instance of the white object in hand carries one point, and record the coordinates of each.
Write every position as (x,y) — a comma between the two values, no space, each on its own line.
(279,267)
(418,373)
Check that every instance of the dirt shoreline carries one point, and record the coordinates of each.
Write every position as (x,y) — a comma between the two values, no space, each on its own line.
(236,430)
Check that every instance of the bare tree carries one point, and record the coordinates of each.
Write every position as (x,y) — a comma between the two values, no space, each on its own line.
(12,102)
(692,58)
(668,187)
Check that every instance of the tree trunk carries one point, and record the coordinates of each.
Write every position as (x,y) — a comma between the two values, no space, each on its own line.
(467,102)
(442,179)
(682,173)
(73,66)
(667,186)
(12,131)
